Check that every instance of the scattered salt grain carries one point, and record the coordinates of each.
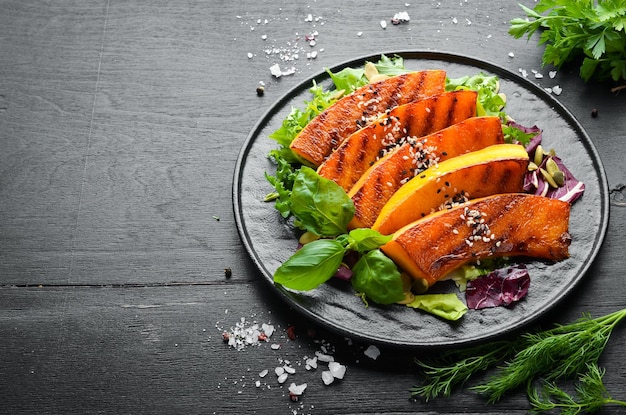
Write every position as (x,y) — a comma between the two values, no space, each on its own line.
(327,377)
(283,378)
(400,17)
(372,352)
(556,90)
(383,24)
(337,370)
(511,55)
(263,373)
(324,357)
(289,369)
(552,74)
(268,329)
(523,72)
(538,75)
(359,34)
(297,389)
(264,37)
(275,346)
(277,72)
(279,370)
(309,18)
(250,55)
(455,20)
(311,363)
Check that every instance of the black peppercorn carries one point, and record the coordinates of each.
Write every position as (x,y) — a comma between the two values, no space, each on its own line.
(594,113)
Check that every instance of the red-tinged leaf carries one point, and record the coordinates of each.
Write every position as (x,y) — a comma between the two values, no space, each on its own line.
(501,287)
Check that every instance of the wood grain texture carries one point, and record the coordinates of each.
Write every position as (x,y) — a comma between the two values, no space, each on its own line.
(120,126)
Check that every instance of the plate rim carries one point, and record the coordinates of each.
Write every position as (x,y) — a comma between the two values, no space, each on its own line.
(427,55)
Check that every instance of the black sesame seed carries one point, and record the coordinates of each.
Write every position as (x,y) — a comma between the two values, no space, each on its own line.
(594,113)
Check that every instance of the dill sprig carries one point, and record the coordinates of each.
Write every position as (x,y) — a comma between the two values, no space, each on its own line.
(591,395)
(458,368)
(563,352)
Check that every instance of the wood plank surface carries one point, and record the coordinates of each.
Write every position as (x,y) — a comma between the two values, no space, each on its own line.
(120,126)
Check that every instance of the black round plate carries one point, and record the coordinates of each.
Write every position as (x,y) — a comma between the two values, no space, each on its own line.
(270,240)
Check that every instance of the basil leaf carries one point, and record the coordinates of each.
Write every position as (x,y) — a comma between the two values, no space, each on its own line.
(376,276)
(446,306)
(365,239)
(312,265)
(321,205)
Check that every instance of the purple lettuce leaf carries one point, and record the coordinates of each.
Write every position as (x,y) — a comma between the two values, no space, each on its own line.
(534,183)
(535,141)
(571,190)
(502,287)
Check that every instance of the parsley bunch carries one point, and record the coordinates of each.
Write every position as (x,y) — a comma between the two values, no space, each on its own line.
(575,29)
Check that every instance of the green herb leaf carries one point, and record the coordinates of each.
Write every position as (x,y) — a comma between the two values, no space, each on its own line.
(447,306)
(320,204)
(489,102)
(578,30)
(553,355)
(348,79)
(390,66)
(365,239)
(377,276)
(312,265)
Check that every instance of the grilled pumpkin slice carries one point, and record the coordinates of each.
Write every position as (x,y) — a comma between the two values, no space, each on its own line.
(326,131)
(403,123)
(386,176)
(495,169)
(516,224)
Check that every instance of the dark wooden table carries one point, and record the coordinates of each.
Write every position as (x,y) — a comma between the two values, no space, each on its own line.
(120,126)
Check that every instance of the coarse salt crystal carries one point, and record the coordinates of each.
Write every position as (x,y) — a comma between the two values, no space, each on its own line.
(359,34)
(311,363)
(400,17)
(250,55)
(297,389)
(263,373)
(289,370)
(511,55)
(327,377)
(552,74)
(556,90)
(372,352)
(257,383)
(324,357)
(279,370)
(275,70)
(275,346)
(268,329)
(337,370)
(383,24)
(282,378)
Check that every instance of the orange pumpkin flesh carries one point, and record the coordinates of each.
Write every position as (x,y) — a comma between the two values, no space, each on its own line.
(515,224)
(495,169)
(361,149)
(387,175)
(326,131)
